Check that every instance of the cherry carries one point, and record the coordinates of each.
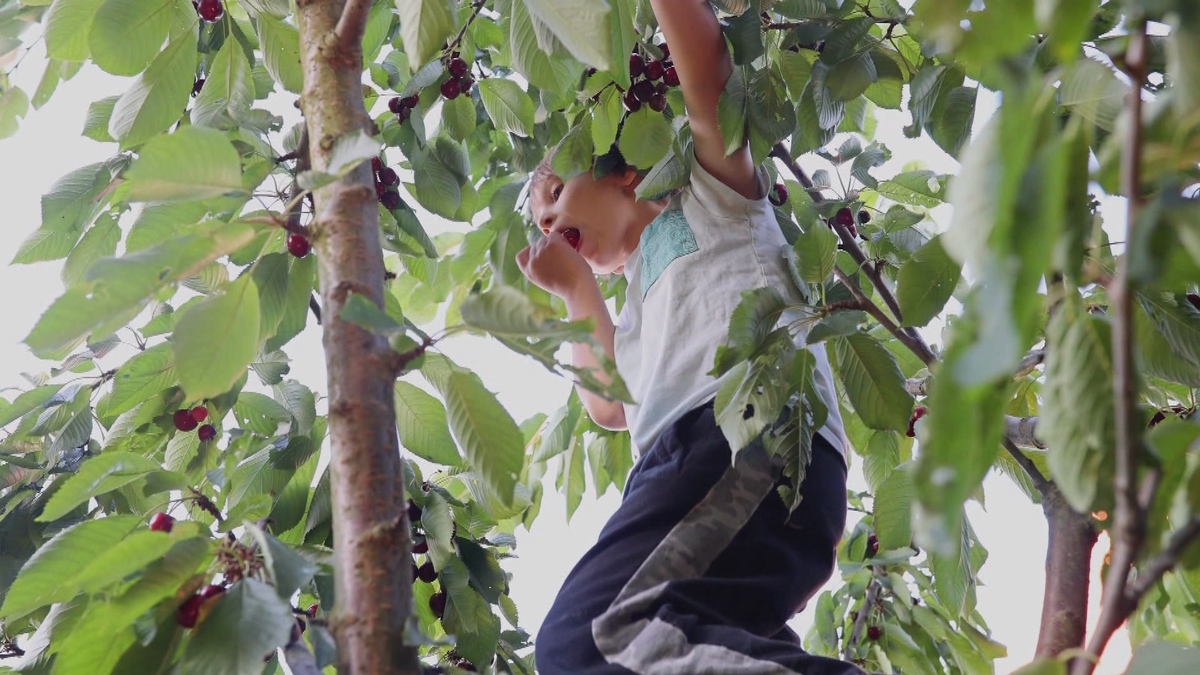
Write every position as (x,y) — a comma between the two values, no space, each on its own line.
(380,189)
(632,104)
(572,236)
(655,70)
(312,610)
(636,65)
(376,163)
(395,104)
(403,115)
(414,512)
(671,78)
(390,200)
(844,217)
(916,601)
(211,591)
(658,103)
(197,86)
(466,83)
(874,633)
(918,413)
(778,195)
(864,216)
(207,432)
(872,546)
(421,547)
(412,101)
(210,10)
(661,88)
(183,420)
(643,91)
(437,602)
(416,572)
(161,522)
(665,50)
(388,176)
(199,413)
(1194,300)
(426,573)
(458,67)
(297,245)
(189,612)
(451,89)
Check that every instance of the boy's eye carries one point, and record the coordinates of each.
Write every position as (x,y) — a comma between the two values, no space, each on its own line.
(556,192)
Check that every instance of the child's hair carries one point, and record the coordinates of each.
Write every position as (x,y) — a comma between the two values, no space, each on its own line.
(604,164)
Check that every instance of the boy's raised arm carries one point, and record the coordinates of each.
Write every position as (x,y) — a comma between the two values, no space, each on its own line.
(704,66)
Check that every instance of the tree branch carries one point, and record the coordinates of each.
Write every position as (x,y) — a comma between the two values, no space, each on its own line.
(1021,432)
(915,344)
(353,24)
(860,620)
(1129,519)
(1164,561)
(475,10)
(919,386)
(1043,484)
(299,660)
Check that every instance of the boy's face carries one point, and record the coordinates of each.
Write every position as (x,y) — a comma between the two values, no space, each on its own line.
(598,217)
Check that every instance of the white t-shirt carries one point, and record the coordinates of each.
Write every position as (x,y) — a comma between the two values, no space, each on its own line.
(685,279)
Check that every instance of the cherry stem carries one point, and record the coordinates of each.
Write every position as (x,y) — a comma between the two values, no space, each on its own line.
(475,10)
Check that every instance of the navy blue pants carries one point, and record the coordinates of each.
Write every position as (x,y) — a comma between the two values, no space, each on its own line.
(701,567)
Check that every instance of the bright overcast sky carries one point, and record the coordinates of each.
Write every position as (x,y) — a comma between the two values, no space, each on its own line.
(49,145)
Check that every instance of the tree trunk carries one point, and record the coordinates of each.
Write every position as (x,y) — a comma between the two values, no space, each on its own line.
(370,524)
(1068,575)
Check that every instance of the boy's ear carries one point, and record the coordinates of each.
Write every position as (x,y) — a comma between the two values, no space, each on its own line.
(630,177)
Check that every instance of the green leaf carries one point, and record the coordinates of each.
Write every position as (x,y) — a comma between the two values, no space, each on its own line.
(249,620)
(1076,418)
(1177,321)
(624,37)
(917,188)
(573,155)
(158,96)
(102,473)
(67,26)
(581,25)
(458,115)
(484,430)
(506,311)
(874,155)
(645,138)
(509,107)
(670,174)
(555,75)
(130,555)
(954,116)
(747,401)
(572,480)
(1164,658)
(925,282)
(261,414)
(142,377)
(437,188)
(217,339)
(66,210)
(192,163)
(281,52)
(850,78)
(14,103)
(424,431)
(468,617)
(606,117)
(361,312)
(816,251)
(893,510)
(40,581)
(95,126)
(873,382)
(1093,91)
(127,34)
(98,242)
(228,87)
(1183,69)
(425,26)
(288,569)
(731,111)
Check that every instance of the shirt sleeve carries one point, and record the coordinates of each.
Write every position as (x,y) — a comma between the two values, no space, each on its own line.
(721,200)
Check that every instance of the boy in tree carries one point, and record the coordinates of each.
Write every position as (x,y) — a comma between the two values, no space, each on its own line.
(701,567)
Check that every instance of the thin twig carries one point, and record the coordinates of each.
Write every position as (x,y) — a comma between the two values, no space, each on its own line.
(1021,432)
(915,344)
(860,619)
(1164,561)
(1040,481)
(1129,519)
(352,24)
(475,10)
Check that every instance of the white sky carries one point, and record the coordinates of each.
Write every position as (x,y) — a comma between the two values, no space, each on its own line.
(49,145)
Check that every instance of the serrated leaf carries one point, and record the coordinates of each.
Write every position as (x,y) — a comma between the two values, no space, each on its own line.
(142,377)
(100,241)
(69,205)
(158,96)
(249,620)
(1092,90)
(509,107)
(893,510)
(424,27)
(573,155)
(484,430)
(228,87)
(458,116)
(424,430)
(917,188)
(126,34)
(816,251)
(217,340)
(873,382)
(552,74)
(281,52)
(102,473)
(731,111)
(68,23)
(645,138)
(581,25)
(95,125)
(925,283)
(192,163)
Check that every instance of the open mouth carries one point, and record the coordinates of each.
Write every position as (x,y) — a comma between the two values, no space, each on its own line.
(572,236)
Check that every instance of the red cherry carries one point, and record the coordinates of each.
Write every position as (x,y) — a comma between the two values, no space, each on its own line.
(671,77)
(211,591)
(426,573)
(416,573)
(414,512)
(655,70)
(1194,300)
(199,413)
(161,522)
(207,432)
(864,216)
(189,611)
(403,115)
(297,245)
(380,189)
(643,91)
(465,83)
(918,413)
(210,10)
(658,103)
(845,217)
(197,86)
(665,50)
(458,68)
(637,66)
(778,195)
(437,602)
(376,163)
(421,547)
(312,610)
(451,89)
(632,104)
(183,420)
(412,101)
(390,200)
(874,633)
(395,104)
(388,176)
(572,236)
(661,88)
(872,546)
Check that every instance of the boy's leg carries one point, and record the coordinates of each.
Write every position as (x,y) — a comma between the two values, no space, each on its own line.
(688,516)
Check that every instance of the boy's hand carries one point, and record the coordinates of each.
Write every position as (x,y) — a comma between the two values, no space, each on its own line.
(554,266)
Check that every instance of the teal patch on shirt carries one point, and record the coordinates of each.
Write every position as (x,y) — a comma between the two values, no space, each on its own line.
(667,238)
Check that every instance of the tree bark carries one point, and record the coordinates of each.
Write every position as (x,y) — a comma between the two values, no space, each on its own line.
(1068,576)
(373,592)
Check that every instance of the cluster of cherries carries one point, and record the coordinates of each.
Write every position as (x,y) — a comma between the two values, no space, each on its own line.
(460,81)
(650,81)
(187,420)
(386,182)
(425,572)
(403,107)
(209,10)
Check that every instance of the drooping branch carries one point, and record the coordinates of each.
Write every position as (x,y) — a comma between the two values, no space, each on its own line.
(1129,518)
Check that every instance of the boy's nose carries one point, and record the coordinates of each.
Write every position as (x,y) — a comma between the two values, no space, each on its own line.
(547,223)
